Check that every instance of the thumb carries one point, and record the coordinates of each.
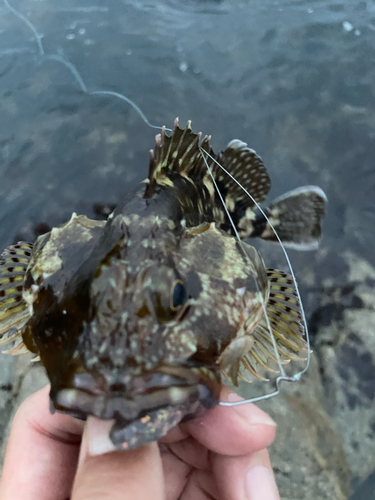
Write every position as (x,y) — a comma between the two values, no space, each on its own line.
(114,475)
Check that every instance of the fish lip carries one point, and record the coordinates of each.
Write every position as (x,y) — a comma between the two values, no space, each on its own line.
(125,403)
(127,397)
(106,407)
(103,406)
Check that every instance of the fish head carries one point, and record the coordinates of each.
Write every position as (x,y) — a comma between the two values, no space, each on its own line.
(126,335)
(134,357)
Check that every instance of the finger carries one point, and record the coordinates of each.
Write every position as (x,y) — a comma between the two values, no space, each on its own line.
(126,475)
(176,473)
(191,452)
(201,486)
(176,434)
(42,452)
(224,431)
(179,459)
(248,477)
(237,430)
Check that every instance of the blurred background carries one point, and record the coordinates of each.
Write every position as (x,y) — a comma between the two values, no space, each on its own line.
(295,79)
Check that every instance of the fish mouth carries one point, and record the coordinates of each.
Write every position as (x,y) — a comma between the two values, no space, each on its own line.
(129,399)
(140,413)
(118,405)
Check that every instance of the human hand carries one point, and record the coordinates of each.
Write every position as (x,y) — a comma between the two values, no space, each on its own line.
(219,456)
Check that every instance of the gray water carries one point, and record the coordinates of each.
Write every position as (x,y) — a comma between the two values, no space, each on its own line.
(294,79)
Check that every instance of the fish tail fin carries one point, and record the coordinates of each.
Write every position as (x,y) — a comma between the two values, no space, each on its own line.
(256,352)
(14,313)
(295,216)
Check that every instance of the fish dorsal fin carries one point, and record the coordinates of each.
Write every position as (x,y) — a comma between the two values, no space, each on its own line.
(14,313)
(185,154)
(178,153)
(248,169)
(285,317)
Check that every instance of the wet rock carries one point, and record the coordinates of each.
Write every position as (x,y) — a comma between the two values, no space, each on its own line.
(7,380)
(346,353)
(308,454)
(326,422)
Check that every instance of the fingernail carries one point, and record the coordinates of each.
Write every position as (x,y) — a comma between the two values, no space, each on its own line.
(95,439)
(98,439)
(254,416)
(260,484)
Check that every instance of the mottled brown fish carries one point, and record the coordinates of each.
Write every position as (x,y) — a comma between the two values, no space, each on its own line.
(137,318)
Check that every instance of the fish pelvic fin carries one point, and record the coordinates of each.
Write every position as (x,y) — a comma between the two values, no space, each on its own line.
(296,217)
(14,312)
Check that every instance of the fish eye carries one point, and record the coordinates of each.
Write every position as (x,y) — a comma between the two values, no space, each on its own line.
(178,294)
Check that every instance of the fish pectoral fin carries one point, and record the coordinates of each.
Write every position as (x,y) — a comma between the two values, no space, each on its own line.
(18,349)
(255,351)
(296,217)
(14,313)
(285,319)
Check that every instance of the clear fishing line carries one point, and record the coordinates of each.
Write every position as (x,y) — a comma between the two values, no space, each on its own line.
(73,70)
(281,368)
(296,377)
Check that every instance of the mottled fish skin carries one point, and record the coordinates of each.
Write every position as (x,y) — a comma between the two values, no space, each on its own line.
(137,318)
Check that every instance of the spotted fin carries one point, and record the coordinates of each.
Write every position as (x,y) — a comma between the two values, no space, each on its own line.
(296,216)
(247,168)
(285,318)
(14,313)
(181,153)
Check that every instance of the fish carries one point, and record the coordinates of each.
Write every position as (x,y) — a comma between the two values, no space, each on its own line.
(140,318)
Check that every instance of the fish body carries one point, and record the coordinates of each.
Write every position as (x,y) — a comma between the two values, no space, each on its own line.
(137,318)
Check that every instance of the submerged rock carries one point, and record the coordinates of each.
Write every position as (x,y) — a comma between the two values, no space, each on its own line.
(326,422)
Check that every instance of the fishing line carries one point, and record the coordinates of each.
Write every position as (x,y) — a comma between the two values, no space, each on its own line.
(73,70)
(296,377)
(281,368)
(29,25)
